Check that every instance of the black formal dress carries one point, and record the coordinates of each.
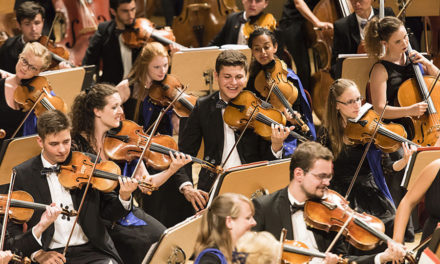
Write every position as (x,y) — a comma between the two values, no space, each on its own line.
(134,234)
(229,31)
(10,118)
(432,206)
(9,52)
(206,122)
(104,46)
(272,214)
(97,206)
(346,39)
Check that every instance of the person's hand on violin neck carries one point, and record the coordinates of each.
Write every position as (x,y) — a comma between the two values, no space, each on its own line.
(47,218)
(127,186)
(49,257)
(178,160)
(198,198)
(330,258)
(279,134)
(395,252)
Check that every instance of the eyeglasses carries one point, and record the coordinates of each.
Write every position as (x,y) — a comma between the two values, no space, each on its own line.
(28,65)
(322,176)
(352,101)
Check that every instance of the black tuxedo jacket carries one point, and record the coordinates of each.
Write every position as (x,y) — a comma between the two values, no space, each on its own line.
(9,52)
(104,46)
(97,205)
(347,37)
(206,122)
(272,214)
(229,32)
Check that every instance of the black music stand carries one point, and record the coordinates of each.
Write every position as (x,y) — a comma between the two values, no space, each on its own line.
(417,162)
(88,77)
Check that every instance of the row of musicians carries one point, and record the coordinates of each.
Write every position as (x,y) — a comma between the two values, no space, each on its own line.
(100,107)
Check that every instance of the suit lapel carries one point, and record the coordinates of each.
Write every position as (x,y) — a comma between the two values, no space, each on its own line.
(354,29)
(41,185)
(217,124)
(284,213)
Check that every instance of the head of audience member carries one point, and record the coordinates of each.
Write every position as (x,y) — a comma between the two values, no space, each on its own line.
(362,8)
(34,59)
(97,107)
(123,12)
(263,45)
(151,64)
(30,20)
(388,32)
(254,7)
(231,69)
(225,221)
(53,128)
(258,248)
(311,170)
(344,101)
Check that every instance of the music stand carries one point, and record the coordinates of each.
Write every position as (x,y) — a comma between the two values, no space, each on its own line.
(431,254)
(417,162)
(416,7)
(196,67)
(88,76)
(66,83)
(15,151)
(356,67)
(254,179)
(176,245)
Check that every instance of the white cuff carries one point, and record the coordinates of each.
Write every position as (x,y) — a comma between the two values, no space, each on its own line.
(278,154)
(377,258)
(126,204)
(187,183)
(37,239)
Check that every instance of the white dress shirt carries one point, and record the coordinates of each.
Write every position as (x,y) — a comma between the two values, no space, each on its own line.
(241,39)
(363,20)
(125,56)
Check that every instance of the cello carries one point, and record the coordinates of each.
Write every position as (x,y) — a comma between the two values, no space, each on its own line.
(321,42)
(201,20)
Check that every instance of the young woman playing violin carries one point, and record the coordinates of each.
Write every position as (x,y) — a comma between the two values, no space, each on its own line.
(228,218)
(150,67)
(428,186)
(95,112)
(263,45)
(344,102)
(34,59)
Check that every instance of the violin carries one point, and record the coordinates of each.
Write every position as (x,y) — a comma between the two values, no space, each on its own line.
(246,106)
(296,252)
(128,140)
(412,91)
(273,83)
(22,206)
(78,168)
(266,20)
(389,137)
(163,93)
(37,91)
(143,30)
(59,53)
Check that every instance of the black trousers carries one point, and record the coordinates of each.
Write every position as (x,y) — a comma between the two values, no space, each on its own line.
(86,254)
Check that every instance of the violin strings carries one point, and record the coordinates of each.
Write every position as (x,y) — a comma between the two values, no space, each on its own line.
(186,103)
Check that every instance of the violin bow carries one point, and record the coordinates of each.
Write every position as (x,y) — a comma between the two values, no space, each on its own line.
(82,201)
(364,155)
(8,204)
(433,85)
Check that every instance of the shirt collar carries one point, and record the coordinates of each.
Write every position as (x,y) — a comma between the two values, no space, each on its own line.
(46,163)
(292,199)
(359,19)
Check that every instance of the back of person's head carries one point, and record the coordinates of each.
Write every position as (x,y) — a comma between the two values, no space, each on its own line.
(213,231)
(261,31)
(52,122)
(38,50)
(114,4)
(377,30)
(231,58)
(83,114)
(140,68)
(306,154)
(29,10)
(258,248)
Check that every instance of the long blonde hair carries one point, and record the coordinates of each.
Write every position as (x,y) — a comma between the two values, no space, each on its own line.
(379,29)
(333,121)
(214,231)
(259,248)
(139,72)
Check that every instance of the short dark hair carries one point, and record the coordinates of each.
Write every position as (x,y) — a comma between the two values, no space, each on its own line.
(29,10)
(52,121)
(231,58)
(306,154)
(114,4)
(261,31)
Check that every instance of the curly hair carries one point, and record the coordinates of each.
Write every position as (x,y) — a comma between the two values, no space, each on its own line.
(82,114)
(379,29)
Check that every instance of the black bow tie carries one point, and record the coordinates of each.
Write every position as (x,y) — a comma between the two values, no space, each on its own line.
(363,23)
(46,171)
(221,104)
(296,207)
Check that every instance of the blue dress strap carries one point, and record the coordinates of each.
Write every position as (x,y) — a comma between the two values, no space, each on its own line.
(214,251)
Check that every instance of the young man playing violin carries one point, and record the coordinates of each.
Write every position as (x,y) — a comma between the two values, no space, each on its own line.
(90,241)
(206,122)
(106,44)
(311,170)
(232,31)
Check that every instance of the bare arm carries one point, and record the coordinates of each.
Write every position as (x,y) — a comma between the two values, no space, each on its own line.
(305,11)
(412,197)
(124,90)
